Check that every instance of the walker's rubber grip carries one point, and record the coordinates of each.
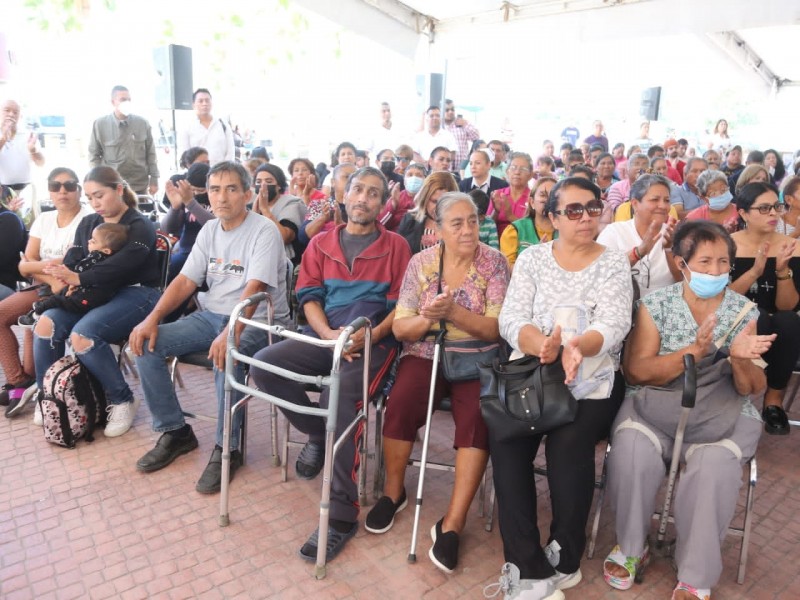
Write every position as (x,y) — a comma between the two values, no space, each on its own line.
(689,381)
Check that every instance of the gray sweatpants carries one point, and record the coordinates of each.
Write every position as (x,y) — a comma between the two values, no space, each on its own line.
(705,498)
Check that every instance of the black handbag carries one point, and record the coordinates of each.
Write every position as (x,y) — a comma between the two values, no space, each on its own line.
(523,397)
(460,358)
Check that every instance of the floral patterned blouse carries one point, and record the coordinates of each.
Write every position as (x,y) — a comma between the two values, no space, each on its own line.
(482,291)
(677,327)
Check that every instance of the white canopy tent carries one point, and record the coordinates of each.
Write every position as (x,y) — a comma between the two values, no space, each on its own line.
(531,61)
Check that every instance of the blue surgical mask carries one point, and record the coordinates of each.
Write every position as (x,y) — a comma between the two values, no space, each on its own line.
(720,202)
(707,286)
(413,184)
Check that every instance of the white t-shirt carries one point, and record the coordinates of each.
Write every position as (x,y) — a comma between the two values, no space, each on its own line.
(55,240)
(15,161)
(227,260)
(424,142)
(652,272)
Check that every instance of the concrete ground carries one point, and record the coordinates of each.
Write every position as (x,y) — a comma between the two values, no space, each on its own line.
(84,523)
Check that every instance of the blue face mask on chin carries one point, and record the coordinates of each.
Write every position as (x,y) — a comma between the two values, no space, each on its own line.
(720,202)
(707,286)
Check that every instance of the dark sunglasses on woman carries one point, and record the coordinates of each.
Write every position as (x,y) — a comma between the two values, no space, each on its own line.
(574,211)
(55,186)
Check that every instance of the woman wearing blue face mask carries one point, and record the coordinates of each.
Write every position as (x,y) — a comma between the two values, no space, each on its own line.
(713,188)
(767,271)
(703,317)
(400,202)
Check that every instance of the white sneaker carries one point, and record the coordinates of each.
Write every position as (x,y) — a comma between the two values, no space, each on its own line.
(37,415)
(120,417)
(522,589)
(561,581)
(564,581)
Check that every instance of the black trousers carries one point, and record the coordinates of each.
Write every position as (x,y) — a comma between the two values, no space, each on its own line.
(782,356)
(570,454)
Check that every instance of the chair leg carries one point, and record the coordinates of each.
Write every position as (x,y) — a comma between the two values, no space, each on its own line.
(748,519)
(490,513)
(273,418)
(379,472)
(285,453)
(598,509)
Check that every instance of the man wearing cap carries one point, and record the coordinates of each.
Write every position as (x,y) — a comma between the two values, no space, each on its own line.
(671,152)
(733,166)
(124,141)
(657,151)
(207,132)
(189,210)
(16,152)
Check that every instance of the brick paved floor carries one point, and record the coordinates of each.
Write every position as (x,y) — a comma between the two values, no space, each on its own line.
(84,523)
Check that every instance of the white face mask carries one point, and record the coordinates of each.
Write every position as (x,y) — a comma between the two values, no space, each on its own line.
(125,108)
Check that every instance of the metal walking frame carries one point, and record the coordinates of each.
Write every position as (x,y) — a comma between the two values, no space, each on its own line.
(330,414)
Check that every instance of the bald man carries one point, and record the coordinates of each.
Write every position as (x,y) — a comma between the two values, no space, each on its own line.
(16,152)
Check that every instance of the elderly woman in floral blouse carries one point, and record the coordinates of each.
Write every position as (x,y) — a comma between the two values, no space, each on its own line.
(473,280)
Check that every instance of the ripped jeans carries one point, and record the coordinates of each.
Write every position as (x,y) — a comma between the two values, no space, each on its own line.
(107,324)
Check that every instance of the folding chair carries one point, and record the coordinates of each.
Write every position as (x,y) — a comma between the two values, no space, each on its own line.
(332,444)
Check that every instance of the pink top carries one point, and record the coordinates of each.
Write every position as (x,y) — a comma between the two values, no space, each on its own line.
(519,208)
(619,193)
(703,213)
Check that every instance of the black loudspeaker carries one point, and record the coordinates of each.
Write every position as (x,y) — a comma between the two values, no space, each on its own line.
(651,103)
(174,67)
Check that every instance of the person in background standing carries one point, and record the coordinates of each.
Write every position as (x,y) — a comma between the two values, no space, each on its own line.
(124,141)
(210,133)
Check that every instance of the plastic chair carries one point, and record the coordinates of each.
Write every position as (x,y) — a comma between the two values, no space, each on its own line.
(332,443)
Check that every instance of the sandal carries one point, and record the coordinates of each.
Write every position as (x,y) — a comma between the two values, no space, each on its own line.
(630,563)
(699,593)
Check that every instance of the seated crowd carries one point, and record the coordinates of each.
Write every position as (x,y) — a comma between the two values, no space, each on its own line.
(564,258)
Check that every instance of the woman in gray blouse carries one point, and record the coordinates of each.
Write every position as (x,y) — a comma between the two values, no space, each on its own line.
(570,296)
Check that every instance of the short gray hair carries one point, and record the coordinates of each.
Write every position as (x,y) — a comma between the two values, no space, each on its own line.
(450,199)
(690,163)
(708,177)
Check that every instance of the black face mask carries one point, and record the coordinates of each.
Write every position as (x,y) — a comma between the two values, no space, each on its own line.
(272,191)
(202,198)
(387,167)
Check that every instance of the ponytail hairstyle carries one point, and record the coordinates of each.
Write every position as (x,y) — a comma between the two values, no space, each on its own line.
(109,177)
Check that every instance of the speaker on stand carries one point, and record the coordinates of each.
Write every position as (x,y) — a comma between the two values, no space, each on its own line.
(174,89)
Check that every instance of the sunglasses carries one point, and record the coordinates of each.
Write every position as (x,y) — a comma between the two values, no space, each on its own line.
(764,209)
(574,211)
(55,186)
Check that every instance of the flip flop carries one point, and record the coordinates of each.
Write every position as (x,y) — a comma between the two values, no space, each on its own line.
(699,593)
(629,563)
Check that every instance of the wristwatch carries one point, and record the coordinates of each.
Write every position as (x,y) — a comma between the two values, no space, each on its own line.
(788,275)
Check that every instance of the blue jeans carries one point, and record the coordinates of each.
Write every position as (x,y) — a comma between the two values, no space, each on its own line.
(107,324)
(193,333)
(5,291)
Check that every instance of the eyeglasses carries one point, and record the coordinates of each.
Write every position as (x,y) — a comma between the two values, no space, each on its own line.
(55,186)
(403,159)
(764,209)
(518,169)
(574,211)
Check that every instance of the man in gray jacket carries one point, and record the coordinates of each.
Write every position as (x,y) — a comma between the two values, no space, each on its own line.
(124,141)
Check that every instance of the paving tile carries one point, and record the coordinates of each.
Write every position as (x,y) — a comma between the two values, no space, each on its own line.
(84,523)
